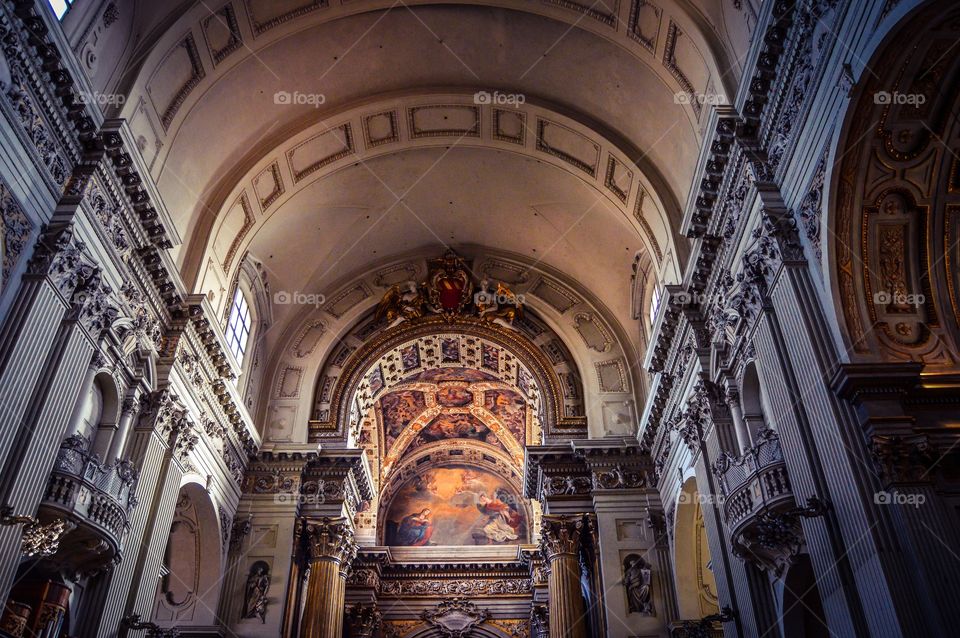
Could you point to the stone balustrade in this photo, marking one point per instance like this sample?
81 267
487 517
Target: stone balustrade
94 496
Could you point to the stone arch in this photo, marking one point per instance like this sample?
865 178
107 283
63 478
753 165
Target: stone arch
696 587
555 421
588 346
189 592
894 211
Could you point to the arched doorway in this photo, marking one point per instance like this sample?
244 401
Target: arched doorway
696 586
189 586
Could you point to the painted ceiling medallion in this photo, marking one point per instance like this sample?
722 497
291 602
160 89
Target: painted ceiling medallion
449 292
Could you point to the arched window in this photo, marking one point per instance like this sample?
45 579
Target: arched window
238 327
655 297
60 7
91 412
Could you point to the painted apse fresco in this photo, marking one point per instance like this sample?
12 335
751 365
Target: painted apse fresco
457 505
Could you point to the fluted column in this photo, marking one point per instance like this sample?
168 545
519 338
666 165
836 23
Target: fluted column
331 549
560 545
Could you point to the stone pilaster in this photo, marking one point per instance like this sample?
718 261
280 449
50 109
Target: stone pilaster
330 548
560 538
162 431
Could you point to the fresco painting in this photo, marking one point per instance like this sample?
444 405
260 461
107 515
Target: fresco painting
398 410
376 380
454 397
451 374
455 426
490 357
510 408
456 505
410 357
450 350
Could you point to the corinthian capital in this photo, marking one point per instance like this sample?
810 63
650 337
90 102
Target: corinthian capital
560 535
330 539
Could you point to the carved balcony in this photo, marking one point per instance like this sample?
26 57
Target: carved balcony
96 498
758 503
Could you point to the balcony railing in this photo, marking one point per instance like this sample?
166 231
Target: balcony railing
96 497
754 482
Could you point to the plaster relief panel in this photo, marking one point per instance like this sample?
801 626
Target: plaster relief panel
173 80
441 120
145 133
396 274
264 536
570 146
288 386
320 150
554 294
644 24
266 14
618 418
237 222
686 64
510 125
594 334
381 128
214 287
604 11
15 233
347 299
268 186
611 376
282 420
639 215
631 530
221 33
308 339
502 271
619 178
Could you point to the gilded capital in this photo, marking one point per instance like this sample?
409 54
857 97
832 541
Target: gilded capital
560 535
330 539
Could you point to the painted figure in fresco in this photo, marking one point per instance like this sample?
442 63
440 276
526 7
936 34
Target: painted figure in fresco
503 519
455 426
416 529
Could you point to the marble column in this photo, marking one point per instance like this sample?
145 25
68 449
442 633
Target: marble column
732 398
560 544
330 550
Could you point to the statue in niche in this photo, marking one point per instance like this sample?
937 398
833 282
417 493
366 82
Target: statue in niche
258 583
636 580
